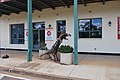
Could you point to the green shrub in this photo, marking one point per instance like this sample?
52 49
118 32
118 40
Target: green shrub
65 49
43 46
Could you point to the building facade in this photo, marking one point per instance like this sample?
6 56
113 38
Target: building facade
98 27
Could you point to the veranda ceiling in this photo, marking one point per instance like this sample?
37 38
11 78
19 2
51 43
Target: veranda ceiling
16 6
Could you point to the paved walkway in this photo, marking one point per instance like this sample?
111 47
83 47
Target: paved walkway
91 67
8 77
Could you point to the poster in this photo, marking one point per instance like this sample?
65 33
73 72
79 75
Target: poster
48 34
4 0
118 27
26 34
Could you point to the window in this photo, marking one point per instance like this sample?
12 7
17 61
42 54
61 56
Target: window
38 25
61 27
90 28
17 33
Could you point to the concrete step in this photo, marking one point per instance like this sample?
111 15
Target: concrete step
37 74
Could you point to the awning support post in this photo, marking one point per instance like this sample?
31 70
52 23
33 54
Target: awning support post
30 35
76 32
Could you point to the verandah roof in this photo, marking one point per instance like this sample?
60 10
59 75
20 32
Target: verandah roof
16 6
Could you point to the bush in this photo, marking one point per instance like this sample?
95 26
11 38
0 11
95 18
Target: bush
43 46
65 49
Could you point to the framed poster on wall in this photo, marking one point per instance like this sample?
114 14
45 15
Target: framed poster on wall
48 34
26 34
118 27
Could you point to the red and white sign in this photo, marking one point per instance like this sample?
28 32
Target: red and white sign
4 0
49 34
118 27
26 34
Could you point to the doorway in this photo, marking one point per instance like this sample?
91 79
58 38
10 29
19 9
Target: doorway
38 35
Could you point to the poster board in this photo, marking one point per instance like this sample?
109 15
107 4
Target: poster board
4 0
26 34
48 34
118 27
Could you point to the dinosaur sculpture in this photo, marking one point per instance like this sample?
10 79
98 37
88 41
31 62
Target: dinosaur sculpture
54 49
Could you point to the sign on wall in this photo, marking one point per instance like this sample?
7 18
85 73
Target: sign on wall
118 27
48 34
26 34
4 0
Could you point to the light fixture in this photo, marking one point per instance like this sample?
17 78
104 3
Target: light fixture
90 11
57 14
109 23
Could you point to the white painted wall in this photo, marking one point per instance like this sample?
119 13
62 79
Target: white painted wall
109 12
109 42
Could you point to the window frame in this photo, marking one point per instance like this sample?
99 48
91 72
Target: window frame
90 31
11 38
57 27
33 23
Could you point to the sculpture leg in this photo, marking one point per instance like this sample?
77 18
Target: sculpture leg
56 57
42 55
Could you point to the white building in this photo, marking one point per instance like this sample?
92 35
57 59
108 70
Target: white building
98 26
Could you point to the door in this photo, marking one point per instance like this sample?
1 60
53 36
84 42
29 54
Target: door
38 35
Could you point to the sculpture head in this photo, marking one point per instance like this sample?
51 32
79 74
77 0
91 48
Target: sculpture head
64 36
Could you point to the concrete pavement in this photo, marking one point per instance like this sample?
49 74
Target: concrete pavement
13 76
91 67
9 77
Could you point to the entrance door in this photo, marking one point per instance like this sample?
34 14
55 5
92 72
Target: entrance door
38 35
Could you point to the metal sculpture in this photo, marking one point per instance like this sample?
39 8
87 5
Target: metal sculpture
54 49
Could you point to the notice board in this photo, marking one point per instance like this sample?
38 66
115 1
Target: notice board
48 34
118 27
